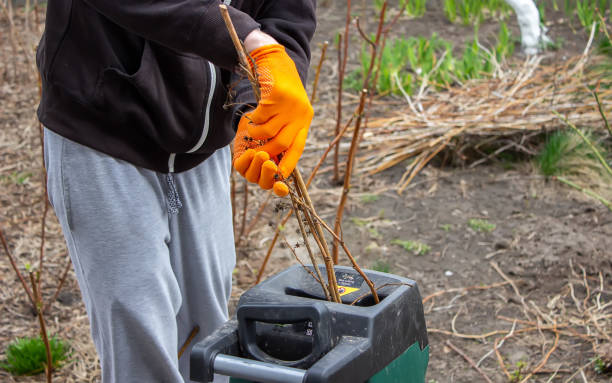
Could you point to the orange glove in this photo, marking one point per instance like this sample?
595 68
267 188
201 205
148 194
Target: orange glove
271 139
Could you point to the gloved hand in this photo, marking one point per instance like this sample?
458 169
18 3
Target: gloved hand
271 139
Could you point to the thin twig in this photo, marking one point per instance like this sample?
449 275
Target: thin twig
313 260
318 235
242 54
45 201
602 112
362 33
544 359
464 289
346 251
588 192
500 360
43 327
514 287
568 380
348 174
16 269
60 284
379 288
233 201
245 206
313 95
254 220
336 174
288 215
192 335
468 359
316 278
342 60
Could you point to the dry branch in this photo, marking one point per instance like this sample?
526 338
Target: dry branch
469 360
348 173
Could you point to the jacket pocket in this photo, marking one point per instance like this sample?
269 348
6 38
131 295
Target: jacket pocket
163 99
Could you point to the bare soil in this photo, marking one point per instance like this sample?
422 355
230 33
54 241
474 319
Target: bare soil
550 245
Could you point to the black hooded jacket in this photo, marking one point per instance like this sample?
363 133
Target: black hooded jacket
149 81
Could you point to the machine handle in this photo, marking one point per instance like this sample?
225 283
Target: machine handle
256 371
316 312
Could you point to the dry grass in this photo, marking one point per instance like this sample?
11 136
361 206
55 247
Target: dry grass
515 102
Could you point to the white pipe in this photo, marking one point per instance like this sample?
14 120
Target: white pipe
533 35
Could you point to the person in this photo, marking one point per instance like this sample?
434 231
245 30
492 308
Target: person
140 101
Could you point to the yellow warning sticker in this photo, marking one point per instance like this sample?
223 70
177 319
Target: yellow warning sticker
344 290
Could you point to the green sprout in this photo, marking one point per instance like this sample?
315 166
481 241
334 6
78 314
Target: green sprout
517 375
18 178
415 247
359 221
481 225
381 266
368 198
28 356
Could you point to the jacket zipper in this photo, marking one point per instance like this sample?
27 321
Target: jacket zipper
205 128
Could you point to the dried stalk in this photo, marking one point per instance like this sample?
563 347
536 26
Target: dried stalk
602 112
288 215
296 173
45 200
315 224
242 54
233 201
516 102
16 269
464 289
190 338
469 360
500 359
12 38
258 215
588 192
313 260
316 278
318 235
343 43
59 285
489 334
43 327
348 173
245 208
336 174
544 360
315 84
346 251
374 46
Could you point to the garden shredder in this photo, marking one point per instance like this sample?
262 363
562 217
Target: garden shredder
286 332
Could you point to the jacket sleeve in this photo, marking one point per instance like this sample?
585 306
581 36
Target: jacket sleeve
292 23
193 26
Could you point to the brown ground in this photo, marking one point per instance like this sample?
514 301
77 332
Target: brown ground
551 242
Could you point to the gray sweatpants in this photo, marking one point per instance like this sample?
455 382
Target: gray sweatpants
147 277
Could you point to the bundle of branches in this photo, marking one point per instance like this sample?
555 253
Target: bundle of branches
302 204
514 101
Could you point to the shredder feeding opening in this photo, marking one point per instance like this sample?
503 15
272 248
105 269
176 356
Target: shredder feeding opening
364 300
287 342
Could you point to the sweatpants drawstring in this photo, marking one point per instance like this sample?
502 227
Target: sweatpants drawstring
174 201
